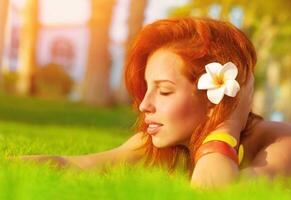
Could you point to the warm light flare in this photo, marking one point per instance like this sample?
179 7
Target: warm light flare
54 12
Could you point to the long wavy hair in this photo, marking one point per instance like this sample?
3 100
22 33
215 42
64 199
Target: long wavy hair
198 41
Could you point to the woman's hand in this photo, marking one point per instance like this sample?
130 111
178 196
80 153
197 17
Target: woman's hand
56 161
238 118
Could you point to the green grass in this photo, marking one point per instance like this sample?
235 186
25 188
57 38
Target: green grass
32 126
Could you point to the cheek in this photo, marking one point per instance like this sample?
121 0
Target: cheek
184 112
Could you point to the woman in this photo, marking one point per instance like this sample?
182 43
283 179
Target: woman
189 79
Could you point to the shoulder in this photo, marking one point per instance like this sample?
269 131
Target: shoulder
277 128
272 132
273 157
265 133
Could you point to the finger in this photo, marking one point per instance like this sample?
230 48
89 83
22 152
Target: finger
250 84
251 77
251 88
250 80
248 88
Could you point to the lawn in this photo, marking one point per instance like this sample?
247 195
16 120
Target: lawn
33 126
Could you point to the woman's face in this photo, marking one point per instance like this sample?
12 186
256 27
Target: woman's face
172 105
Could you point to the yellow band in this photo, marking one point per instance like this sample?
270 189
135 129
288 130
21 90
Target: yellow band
240 153
221 136
227 138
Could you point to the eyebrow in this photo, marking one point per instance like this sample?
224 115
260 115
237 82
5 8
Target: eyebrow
161 81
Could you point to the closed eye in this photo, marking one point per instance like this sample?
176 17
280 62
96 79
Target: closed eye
165 93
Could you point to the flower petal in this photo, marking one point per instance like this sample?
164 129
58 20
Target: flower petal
229 70
213 68
231 88
206 82
215 95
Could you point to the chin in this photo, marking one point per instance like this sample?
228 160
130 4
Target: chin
160 144
157 143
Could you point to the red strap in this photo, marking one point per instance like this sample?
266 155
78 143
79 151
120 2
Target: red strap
217 147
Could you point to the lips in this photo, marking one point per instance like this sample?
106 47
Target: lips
153 127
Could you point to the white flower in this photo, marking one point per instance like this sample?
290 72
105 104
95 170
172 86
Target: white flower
219 80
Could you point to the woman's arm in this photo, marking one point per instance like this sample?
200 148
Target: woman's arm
215 169
96 161
125 153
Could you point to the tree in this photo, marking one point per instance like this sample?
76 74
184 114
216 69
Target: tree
135 22
27 48
96 86
267 24
3 18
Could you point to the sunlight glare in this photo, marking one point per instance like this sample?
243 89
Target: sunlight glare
53 12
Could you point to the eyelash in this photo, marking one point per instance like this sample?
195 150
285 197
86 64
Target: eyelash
165 93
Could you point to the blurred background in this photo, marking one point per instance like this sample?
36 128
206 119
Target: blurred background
74 50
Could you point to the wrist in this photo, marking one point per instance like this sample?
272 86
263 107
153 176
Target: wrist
216 146
231 127
221 142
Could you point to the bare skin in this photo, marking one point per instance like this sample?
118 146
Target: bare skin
270 156
266 147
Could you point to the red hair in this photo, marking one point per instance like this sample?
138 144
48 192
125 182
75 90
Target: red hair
198 41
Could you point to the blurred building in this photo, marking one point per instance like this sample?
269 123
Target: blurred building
65 47
63 43
63 36
11 45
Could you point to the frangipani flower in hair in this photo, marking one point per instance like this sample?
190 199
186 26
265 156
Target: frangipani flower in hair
219 80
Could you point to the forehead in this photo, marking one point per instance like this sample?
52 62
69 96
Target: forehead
164 64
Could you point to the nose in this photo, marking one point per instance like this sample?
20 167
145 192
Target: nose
147 105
